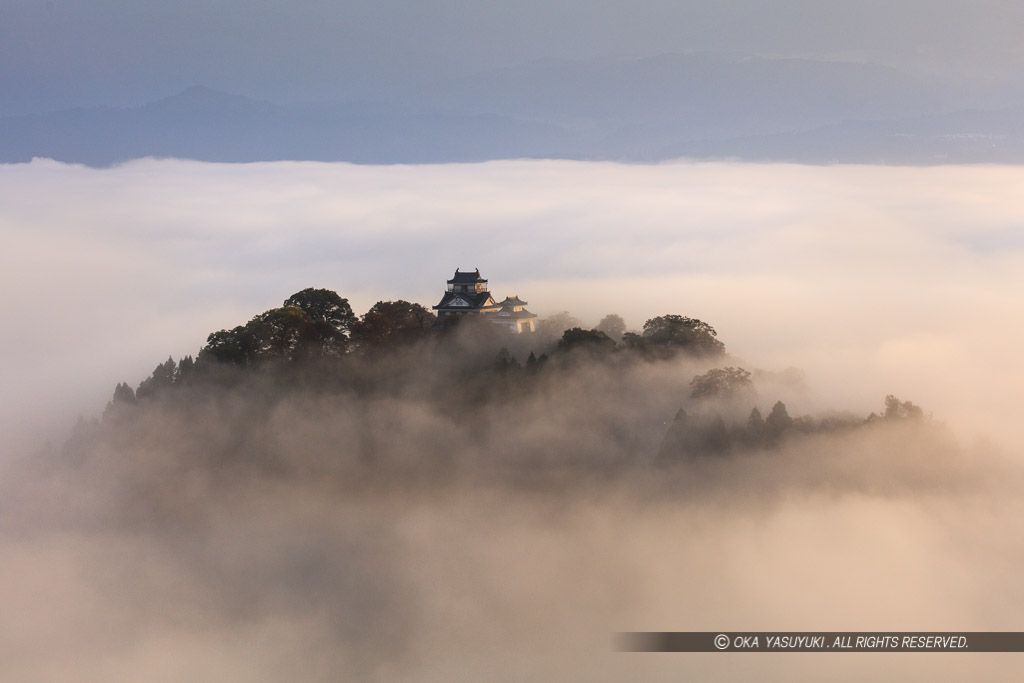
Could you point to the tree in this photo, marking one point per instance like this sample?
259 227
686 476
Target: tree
279 332
324 306
162 378
679 332
329 321
716 437
632 340
901 410
390 323
590 340
531 363
185 367
237 346
612 325
721 383
755 426
535 364
678 441
755 422
505 362
552 326
123 394
690 436
778 420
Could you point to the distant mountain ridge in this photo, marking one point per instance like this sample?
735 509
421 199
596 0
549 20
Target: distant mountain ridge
650 109
755 95
957 137
206 125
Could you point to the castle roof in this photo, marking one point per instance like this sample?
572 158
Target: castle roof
475 300
513 301
515 315
466 278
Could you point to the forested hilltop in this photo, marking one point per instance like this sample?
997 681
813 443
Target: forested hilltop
311 388
316 492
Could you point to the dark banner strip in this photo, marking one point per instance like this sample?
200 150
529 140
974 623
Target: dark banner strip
820 641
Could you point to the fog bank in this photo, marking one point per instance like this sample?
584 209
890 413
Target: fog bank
871 280
141 556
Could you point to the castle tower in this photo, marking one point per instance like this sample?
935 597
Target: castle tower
467 293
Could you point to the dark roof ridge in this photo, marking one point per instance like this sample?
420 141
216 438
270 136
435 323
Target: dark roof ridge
467 277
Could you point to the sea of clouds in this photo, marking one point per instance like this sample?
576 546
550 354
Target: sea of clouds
869 280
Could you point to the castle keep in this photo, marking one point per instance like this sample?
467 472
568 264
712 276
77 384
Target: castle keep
467 294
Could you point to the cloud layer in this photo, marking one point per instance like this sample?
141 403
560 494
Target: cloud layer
870 280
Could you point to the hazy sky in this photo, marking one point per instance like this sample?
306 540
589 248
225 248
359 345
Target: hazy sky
68 52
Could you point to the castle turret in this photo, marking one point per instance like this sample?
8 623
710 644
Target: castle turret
467 293
514 316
